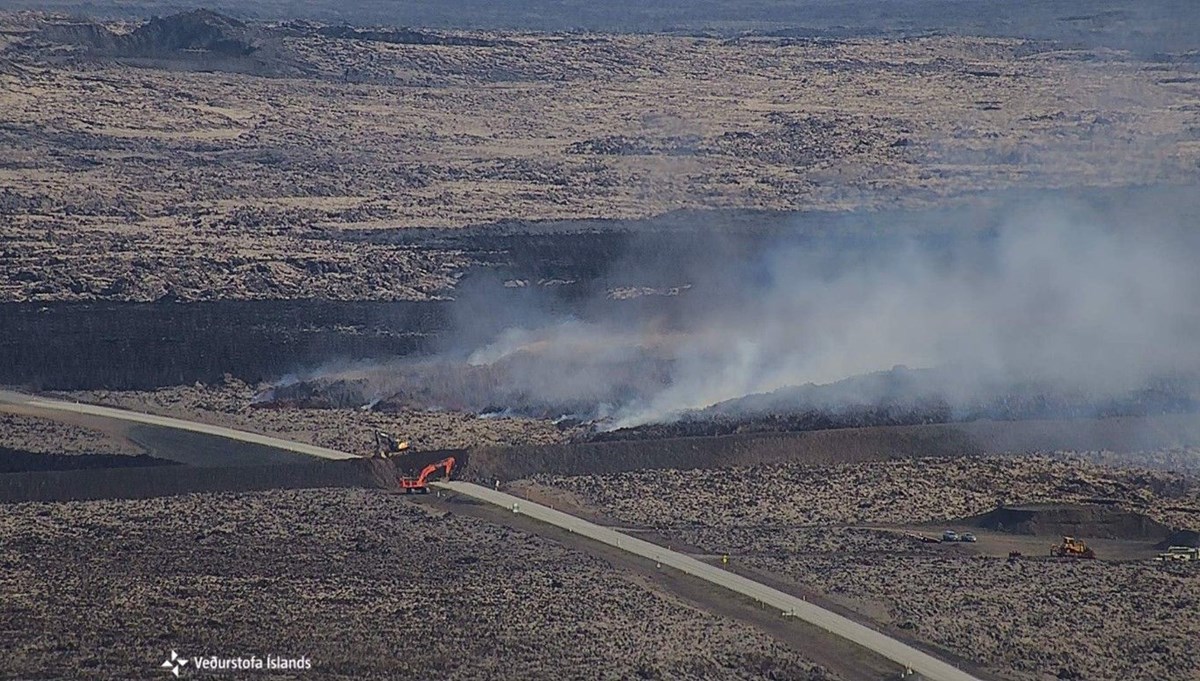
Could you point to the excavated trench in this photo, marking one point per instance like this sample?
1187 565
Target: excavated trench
182 462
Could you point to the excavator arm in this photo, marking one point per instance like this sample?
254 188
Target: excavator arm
420 483
446 463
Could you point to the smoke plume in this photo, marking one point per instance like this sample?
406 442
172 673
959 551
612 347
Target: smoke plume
1068 302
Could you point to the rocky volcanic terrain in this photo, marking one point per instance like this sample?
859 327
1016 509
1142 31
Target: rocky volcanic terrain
363 583
1034 618
202 157
1182 459
909 491
43 436
1028 619
347 429
198 157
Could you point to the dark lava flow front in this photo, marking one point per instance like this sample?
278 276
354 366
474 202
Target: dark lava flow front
138 346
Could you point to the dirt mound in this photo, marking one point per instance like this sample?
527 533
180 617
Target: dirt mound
85 34
1079 520
837 446
1180 538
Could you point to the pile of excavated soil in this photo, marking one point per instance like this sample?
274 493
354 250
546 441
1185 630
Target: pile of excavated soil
1180 538
201 39
146 477
1078 520
366 584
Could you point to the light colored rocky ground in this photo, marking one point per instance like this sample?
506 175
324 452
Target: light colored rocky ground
44 436
138 183
1032 619
905 491
1180 460
348 430
1029 619
366 584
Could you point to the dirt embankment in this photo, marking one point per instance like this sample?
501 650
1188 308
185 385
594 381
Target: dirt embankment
169 480
17 461
820 447
840 446
1106 521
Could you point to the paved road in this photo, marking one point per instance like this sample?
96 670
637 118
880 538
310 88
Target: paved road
38 403
928 666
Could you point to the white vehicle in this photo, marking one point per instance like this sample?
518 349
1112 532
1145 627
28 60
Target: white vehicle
1183 553
967 537
949 535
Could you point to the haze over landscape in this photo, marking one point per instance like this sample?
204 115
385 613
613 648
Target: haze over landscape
727 339
1056 300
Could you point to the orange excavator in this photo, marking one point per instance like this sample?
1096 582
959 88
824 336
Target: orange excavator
419 484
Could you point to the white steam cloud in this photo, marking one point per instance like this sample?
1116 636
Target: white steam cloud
1062 299
1050 299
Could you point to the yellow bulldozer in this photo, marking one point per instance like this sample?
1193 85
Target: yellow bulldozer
386 445
1072 548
